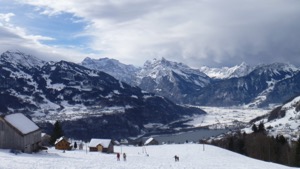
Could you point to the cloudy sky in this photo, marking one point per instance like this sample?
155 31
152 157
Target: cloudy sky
196 32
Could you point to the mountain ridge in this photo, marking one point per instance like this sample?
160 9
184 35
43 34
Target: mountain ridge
227 86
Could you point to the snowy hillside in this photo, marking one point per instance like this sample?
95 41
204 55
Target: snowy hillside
283 120
227 72
191 156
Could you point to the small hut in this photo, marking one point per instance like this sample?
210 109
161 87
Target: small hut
102 145
62 144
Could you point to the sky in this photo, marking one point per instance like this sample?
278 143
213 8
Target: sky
214 33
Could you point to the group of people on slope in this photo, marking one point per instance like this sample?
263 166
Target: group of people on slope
124 156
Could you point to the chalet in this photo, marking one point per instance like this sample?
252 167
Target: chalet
151 141
62 144
19 132
103 145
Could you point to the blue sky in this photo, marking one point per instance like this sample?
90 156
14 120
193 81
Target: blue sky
64 29
197 32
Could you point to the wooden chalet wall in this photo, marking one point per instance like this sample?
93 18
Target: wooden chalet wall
11 138
63 145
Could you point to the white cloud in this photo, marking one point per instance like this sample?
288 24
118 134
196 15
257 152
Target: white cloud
6 17
17 38
197 32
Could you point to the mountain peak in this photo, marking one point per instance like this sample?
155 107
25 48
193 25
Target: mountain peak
21 59
113 67
227 72
276 69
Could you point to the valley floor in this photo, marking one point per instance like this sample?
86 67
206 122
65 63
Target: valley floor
221 117
191 156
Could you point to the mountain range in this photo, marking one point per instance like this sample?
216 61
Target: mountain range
88 103
104 97
241 85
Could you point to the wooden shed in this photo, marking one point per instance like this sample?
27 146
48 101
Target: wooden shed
19 132
62 144
102 145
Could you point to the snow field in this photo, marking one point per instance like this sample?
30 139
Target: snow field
191 156
225 116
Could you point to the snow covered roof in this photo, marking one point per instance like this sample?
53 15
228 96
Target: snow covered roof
61 138
21 123
95 142
148 140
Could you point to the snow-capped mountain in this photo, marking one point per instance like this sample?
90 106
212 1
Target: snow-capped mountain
20 59
283 120
166 78
227 72
171 79
88 102
251 90
123 72
239 85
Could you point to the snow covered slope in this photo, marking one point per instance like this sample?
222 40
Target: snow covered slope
191 156
21 59
283 120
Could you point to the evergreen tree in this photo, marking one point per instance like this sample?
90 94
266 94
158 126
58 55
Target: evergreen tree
75 145
297 156
281 139
261 127
231 144
254 128
56 133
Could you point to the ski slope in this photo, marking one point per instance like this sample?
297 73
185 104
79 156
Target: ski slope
191 156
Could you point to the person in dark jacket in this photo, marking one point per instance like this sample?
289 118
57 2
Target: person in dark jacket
176 158
118 156
124 156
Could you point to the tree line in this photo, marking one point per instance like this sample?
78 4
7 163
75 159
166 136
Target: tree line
260 146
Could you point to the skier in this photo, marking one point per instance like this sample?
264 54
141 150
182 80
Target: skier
118 156
124 156
176 158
